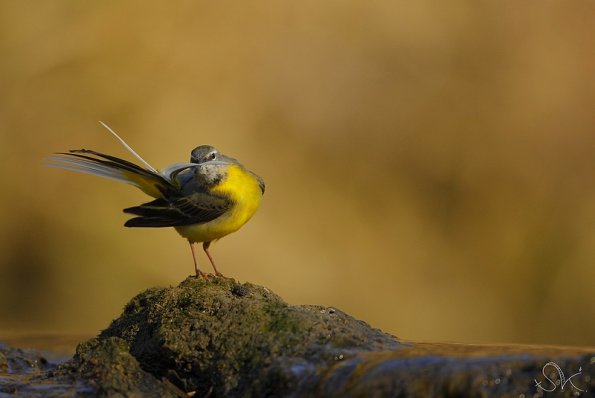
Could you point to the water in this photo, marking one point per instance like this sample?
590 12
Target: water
24 371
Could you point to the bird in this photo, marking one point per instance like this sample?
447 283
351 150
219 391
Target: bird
204 200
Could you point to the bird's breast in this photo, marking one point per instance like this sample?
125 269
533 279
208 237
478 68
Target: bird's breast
244 191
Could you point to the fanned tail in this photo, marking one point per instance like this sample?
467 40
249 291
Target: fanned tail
149 180
91 162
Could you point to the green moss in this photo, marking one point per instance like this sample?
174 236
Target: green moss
219 337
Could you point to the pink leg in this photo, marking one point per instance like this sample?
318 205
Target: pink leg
198 272
205 247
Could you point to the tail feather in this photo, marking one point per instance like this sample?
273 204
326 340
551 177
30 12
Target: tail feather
120 162
132 151
107 166
148 179
87 167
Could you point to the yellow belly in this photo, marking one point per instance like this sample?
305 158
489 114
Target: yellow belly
243 190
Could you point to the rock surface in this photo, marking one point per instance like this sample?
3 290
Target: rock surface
219 338
216 337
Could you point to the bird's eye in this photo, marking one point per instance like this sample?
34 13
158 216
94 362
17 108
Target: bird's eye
212 156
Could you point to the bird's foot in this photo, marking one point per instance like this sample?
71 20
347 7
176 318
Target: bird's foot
201 275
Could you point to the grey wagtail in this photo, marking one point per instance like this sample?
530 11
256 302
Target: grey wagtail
204 200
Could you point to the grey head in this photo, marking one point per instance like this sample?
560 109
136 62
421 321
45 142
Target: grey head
207 153
203 153
209 161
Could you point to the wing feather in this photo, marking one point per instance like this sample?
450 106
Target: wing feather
196 208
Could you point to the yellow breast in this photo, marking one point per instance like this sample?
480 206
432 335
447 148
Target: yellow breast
242 188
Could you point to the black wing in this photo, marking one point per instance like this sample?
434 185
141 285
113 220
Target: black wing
196 208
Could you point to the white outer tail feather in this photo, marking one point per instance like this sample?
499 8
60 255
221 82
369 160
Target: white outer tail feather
76 162
129 148
92 168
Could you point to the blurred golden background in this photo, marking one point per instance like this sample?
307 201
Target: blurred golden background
430 167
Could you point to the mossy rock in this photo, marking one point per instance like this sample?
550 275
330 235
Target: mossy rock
219 338
216 337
